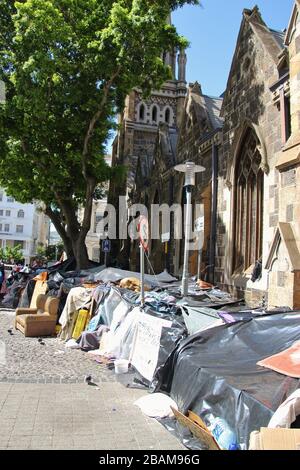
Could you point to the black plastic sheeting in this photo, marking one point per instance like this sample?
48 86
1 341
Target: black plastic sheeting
69 265
214 373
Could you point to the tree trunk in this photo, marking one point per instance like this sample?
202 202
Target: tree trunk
81 253
68 248
55 219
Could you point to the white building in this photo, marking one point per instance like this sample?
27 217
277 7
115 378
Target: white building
22 224
93 237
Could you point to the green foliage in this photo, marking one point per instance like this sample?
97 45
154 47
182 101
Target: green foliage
54 252
41 251
11 254
67 66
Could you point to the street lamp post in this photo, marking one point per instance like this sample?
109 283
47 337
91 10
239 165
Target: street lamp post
190 169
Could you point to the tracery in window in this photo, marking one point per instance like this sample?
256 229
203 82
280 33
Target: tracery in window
249 194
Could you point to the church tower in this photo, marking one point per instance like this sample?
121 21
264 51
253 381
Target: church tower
139 124
141 118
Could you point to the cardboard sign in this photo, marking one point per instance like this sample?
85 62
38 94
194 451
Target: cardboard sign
147 344
198 428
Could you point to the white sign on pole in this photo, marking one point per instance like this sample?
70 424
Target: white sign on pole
199 224
165 237
147 344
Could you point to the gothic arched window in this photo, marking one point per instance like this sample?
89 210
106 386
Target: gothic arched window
142 112
248 210
168 116
154 114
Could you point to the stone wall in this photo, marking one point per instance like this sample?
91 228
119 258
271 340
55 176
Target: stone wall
248 102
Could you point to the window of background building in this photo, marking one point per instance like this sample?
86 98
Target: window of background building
1 196
21 214
10 199
1 227
285 112
1 212
154 114
142 112
19 229
7 213
6 228
167 116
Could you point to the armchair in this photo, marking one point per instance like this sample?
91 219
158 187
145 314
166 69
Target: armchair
40 321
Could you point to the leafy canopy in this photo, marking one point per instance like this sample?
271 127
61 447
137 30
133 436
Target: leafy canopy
67 66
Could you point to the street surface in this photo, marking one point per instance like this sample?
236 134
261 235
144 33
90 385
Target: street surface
45 402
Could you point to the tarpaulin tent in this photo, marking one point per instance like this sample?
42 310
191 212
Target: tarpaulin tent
215 373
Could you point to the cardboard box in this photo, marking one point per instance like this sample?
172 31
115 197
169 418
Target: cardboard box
198 428
275 439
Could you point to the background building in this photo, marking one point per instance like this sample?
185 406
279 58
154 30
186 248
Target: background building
93 237
22 224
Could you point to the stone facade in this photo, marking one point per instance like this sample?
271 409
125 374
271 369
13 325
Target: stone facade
249 143
135 144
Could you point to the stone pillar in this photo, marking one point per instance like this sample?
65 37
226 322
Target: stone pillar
182 61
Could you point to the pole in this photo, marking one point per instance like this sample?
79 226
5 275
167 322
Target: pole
213 229
166 256
199 257
188 223
142 275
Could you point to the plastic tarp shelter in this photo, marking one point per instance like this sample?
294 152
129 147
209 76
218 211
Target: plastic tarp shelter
115 275
214 373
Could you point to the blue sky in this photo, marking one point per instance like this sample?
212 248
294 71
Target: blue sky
213 30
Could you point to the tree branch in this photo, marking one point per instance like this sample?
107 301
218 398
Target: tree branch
95 119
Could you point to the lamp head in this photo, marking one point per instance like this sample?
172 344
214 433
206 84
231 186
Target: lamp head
190 169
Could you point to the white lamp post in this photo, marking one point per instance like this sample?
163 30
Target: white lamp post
190 169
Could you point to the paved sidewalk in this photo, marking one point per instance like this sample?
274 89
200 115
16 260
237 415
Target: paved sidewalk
27 360
38 413
77 416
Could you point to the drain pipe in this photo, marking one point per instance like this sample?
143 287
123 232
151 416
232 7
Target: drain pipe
213 223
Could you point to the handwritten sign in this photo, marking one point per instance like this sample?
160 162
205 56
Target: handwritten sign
147 344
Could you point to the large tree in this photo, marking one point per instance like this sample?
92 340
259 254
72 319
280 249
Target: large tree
67 66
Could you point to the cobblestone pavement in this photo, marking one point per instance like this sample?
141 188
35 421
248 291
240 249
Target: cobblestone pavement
29 361
45 404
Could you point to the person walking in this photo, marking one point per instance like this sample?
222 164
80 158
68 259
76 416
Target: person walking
2 280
